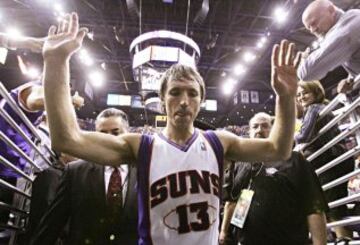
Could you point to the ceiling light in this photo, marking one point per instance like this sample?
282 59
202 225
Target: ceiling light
88 61
239 69
14 33
85 57
96 78
280 14
58 7
231 81
33 72
249 57
228 88
259 44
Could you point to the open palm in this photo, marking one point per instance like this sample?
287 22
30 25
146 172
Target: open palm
64 40
283 69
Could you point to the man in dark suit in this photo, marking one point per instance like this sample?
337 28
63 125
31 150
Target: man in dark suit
99 202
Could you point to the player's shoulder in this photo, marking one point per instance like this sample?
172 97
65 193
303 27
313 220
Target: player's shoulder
132 137
222 134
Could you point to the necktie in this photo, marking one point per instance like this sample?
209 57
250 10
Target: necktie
114 194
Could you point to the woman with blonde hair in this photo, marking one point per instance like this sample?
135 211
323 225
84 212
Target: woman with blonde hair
311 99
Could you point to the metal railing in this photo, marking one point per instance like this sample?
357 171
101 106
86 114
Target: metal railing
348 110
19 207
5 95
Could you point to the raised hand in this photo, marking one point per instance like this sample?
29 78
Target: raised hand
77 100
64 40
283 69
345 85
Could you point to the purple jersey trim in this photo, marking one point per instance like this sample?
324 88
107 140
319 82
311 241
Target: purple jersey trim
145 152
219 153
187 145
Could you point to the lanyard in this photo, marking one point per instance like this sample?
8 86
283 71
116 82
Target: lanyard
252 176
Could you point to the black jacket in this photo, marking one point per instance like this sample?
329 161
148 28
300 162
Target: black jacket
81 201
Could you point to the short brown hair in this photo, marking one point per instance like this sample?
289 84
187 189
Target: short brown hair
316 89
181 72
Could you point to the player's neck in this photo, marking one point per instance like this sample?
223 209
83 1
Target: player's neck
178 135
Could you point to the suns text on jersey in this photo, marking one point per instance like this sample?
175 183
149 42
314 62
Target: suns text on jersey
179 184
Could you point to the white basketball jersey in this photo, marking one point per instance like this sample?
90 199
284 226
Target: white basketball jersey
179 190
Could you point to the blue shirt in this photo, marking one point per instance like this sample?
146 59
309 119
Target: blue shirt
340 46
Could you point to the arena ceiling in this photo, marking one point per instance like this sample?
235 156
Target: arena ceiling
224 34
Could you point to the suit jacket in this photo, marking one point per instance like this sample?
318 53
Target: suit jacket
43 193
81 201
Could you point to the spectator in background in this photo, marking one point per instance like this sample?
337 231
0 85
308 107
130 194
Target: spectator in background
43 193
311 97
29 97
288 201
340 45
85 198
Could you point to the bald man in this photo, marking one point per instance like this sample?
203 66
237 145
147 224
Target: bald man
340 44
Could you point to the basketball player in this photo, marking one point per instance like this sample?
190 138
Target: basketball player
179 169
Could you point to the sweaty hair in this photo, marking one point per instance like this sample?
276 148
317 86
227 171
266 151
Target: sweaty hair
113 112
181 72
316 89
261 115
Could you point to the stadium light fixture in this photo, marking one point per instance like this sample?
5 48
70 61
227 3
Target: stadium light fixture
96 78
249 57
280 15
33 73
14 33
239 69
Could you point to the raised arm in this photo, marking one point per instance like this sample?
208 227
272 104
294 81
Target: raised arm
33 98
31 43
326 58
66 135
279 144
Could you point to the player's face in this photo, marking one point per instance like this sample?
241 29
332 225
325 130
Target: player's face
260 128
304 97
110 125
182 102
